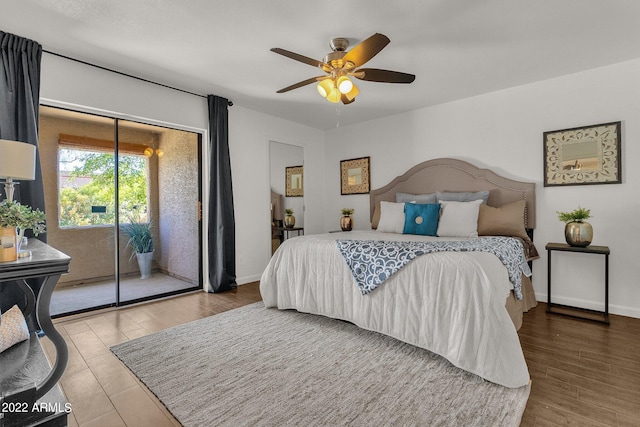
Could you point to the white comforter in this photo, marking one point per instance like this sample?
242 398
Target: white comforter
450 303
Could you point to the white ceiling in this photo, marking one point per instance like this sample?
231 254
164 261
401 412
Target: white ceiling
456 48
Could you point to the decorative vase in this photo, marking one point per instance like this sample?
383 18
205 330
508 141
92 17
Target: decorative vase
289 221
8 247
346 223
144 264
19 242
578 233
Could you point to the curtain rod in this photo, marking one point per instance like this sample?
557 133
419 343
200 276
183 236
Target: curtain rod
127 75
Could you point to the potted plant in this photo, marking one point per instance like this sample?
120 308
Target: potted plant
141 242
577 232
15 219
289 219
346 221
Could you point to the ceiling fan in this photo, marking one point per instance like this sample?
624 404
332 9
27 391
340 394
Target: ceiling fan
339 65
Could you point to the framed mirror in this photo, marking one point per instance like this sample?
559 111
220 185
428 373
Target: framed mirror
294 181
354 176
583 155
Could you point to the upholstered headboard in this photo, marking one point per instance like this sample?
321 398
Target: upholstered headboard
458 175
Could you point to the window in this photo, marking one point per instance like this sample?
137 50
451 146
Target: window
86 178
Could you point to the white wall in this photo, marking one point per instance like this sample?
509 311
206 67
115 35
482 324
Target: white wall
249 136
64 81
84 88
503 131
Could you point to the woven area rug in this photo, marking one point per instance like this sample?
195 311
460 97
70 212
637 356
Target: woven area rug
254 366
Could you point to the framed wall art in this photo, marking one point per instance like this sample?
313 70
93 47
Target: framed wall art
294 186
583 155
354 176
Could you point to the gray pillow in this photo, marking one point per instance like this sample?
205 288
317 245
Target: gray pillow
421 199
463 196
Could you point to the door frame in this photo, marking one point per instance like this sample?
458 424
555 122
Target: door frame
201 149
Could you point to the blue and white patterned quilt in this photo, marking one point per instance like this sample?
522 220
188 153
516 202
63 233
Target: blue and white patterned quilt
373 261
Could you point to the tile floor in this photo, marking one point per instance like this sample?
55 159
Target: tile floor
99 387
81 297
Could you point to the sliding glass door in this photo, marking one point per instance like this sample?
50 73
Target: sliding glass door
159 195
122 200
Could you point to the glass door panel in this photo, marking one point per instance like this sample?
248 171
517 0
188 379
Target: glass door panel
77 157
158 194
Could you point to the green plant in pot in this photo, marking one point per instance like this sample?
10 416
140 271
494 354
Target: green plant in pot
577 232
15 219
289 219
346 221
141 242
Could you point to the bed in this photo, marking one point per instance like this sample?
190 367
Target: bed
461 304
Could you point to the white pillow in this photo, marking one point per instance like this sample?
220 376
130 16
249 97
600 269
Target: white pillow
459 219
391 217
421 199
13 328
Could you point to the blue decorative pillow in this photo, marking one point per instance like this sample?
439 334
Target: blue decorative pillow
421 218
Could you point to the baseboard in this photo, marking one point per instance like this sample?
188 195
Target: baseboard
248 279
620 310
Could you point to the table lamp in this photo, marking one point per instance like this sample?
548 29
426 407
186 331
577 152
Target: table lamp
17 161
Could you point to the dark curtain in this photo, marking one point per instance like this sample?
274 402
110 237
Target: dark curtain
20 94
19 102
222 229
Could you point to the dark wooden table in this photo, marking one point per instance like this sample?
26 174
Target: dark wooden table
29 393
287 231
579 312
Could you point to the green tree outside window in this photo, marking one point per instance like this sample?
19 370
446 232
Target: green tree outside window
88 179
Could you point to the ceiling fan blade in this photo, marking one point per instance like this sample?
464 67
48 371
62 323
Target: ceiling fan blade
300 58
367 49
302 83
384 76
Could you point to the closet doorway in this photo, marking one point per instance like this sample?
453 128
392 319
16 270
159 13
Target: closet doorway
286 168
104 179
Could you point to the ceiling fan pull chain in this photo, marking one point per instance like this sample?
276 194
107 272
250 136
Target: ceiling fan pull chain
337 115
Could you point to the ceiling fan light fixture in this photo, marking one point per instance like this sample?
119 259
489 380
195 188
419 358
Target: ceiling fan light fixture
340 65
334 96
351 95
345 85
325 87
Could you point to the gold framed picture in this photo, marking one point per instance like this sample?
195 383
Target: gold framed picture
294 185
583 155
355 175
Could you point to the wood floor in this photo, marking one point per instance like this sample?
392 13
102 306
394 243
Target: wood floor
584 373
99 387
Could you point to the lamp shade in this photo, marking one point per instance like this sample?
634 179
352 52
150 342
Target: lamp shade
325 87
334 95
17 160
344 84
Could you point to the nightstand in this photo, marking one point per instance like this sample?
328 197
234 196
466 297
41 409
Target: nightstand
579 312
288 230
